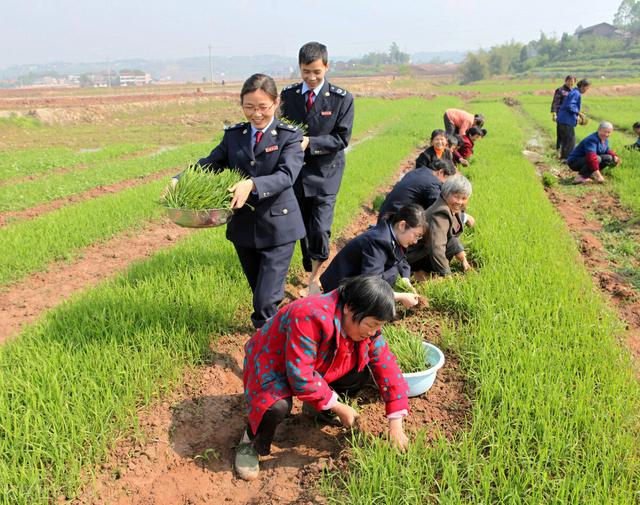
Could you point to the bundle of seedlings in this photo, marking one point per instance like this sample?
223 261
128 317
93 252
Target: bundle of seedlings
407 347
198 189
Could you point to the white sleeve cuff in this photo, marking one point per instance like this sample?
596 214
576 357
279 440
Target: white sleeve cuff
332 401
398 415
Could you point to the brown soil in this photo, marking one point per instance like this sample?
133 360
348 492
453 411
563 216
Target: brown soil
33 212
188 450
624 297
187 455
25 301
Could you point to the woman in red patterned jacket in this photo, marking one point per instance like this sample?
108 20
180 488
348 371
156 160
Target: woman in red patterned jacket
314 349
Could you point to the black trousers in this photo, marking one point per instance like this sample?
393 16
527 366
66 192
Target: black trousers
418 258
347 385
557 136
449 127
317 214
567 138
266 271
580 165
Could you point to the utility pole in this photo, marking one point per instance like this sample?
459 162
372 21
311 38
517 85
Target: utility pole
211 66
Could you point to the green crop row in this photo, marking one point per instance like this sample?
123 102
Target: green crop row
70 385
22 162
26 194
555 402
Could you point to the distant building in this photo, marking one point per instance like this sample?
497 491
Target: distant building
134 78
601 30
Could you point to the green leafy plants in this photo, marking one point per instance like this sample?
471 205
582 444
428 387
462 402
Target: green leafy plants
549 180
198 189
407 348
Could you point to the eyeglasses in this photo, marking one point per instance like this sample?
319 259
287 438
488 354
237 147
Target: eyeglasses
250 109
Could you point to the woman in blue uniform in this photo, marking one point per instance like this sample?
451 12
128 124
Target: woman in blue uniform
380 251
269 153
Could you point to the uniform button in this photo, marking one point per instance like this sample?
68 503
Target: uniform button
252 163
285 211
304 163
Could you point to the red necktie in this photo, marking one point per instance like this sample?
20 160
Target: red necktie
258 137
310 100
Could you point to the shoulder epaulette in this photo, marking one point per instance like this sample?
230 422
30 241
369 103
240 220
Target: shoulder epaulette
287 126
291 86
235 126
338 91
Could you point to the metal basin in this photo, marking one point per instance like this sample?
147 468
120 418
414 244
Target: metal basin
199 218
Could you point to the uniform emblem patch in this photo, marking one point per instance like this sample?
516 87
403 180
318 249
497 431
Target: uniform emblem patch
325 113
270 149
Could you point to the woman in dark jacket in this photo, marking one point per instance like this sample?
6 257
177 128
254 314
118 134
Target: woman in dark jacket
438 150
269 153
380 251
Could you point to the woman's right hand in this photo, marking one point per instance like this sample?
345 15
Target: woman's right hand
305 143
347 414
464 162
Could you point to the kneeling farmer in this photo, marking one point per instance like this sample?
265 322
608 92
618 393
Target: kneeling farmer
316 349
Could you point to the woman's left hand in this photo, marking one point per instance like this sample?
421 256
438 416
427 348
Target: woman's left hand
397 435
241 192
470 221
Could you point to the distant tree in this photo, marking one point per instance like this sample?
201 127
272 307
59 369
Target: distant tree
628 16
396 56
474 67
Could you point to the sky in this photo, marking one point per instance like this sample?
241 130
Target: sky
75 31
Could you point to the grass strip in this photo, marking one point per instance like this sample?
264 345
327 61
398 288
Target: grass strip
555 401
19 163
29 193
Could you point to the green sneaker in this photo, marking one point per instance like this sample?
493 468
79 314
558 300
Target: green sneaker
247 461
321 416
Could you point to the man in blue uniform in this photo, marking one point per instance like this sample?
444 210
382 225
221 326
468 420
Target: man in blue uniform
327 113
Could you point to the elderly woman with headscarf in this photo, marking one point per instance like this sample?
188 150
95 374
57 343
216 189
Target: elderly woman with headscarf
593 154
446 220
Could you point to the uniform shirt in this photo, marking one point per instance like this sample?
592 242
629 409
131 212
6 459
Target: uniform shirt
254 130
374 252
273 166
329 124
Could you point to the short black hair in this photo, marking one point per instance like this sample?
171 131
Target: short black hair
484 132
452 139
478 120
583 83
474 130
438 133
368 296
448 169
412 214
311 52
636 125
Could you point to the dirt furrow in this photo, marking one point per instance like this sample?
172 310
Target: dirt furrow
25 301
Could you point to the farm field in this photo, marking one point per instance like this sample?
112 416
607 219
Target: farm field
548 399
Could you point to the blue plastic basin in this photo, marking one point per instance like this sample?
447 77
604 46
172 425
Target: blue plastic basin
420 382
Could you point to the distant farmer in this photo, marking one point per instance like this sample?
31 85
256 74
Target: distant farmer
465 150
459 121
636 130
568 118
445 222
558 97
593 154
437 150
318 349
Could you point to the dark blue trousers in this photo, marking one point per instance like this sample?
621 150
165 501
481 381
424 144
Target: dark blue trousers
266 271
317 214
